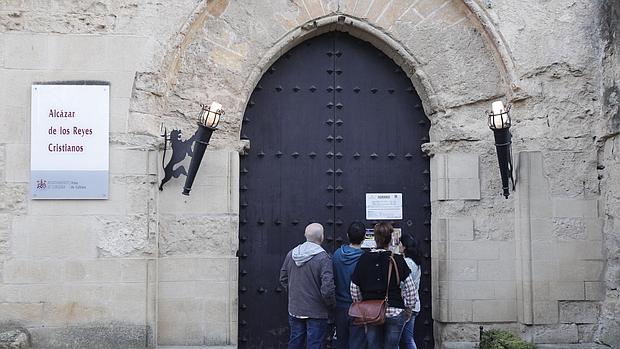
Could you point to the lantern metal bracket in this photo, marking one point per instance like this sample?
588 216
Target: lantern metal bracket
500 124
180 150
195 146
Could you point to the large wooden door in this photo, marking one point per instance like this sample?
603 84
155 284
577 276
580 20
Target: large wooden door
331 120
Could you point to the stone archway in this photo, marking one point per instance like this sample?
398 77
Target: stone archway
221 53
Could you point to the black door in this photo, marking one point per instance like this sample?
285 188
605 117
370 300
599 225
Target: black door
331 120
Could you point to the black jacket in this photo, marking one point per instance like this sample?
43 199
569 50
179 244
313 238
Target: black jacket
371 276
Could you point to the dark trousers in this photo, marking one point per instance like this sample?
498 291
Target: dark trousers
311 331
348 336
406 339
386 336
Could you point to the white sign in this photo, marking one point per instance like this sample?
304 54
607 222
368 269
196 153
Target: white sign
69 141
387 206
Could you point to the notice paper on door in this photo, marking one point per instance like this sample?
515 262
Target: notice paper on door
384 206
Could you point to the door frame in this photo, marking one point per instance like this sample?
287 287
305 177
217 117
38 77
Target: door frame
360 30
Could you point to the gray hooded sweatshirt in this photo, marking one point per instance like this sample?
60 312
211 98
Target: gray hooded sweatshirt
308 277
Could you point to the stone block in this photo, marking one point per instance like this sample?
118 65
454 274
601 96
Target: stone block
134 270
499 270
505 289
460 229
575 208
439 250
16 90
67 313
193 269
539 203
479 250
75 52
575 250
22 313
119 114
457 189
124 52
395 10
463 269
31 293
28 51
125 161
594 229
98 270
182 311
544 270
541 229
581 270
52 236
579 312
494 310
544 251
426 8
545 312
586 333
212 198
566 290
89 294
105 335
459 345
15 127
455 176
564 333
440 309
216 333
17 339
595 290
469 290
540 290
24 271
460 311
569 229
17 165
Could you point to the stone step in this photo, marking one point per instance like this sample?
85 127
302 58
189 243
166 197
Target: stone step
200 347
474 345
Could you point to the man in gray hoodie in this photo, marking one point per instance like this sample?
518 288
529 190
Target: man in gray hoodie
308 277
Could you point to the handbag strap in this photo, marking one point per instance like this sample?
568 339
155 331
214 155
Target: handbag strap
391 262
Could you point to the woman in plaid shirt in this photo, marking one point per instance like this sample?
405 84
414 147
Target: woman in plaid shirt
369 281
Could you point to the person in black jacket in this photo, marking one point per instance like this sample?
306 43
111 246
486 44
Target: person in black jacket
369 281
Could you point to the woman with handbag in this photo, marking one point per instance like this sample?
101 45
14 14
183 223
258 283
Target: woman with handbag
383 292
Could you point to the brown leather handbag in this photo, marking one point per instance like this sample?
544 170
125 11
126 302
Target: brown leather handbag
372 312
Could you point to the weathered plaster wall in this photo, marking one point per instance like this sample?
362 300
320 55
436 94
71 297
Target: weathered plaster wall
156 264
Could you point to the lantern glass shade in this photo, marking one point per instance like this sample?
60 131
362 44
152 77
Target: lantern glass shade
499 118
210 115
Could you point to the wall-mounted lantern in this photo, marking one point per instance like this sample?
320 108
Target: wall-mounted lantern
208 119
499 122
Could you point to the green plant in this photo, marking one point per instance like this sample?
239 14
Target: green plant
500 339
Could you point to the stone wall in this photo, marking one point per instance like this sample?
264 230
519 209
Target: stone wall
153 266
608 329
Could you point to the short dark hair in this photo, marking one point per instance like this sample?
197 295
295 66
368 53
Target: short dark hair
411 248
383 234
356 232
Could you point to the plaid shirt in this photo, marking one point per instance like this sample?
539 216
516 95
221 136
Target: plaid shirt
407 291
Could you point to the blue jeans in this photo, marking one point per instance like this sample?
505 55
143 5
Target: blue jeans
311 330
386 336
406 339
348 336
